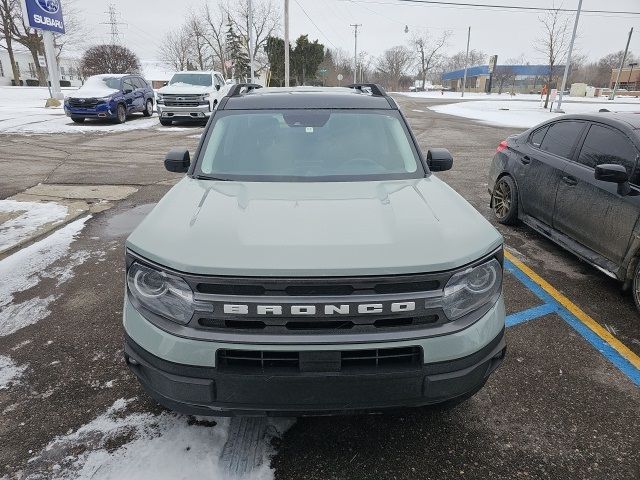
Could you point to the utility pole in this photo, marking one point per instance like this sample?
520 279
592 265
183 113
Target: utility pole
624 58
286 43
568 64
466 63
355 52
250 32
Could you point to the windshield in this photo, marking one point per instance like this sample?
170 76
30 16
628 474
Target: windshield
202 79
308 145
101 83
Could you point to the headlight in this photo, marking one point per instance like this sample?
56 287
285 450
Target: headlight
471 289
159 97
160 292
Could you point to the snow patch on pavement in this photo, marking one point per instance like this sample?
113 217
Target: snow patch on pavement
523 114
25 268
31 216
139 446
10 373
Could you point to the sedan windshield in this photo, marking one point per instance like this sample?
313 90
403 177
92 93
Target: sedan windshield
201 79
309 145
99 82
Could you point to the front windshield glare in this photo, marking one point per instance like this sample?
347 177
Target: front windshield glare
201 79
309 145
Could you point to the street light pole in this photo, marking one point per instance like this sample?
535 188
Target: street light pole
286 43
466 63
355 52
251 42
568 64
624 57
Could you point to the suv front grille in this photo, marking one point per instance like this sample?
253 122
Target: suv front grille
84 102
377 359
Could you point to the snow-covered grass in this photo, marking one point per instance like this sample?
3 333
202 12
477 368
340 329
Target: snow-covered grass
30 217
139 446
22 110
524 114
25 268
10 373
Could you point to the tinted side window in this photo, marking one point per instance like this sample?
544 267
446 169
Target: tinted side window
140 83
536 137
561 137
605 145
127 84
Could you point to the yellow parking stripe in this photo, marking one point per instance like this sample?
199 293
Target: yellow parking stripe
594 326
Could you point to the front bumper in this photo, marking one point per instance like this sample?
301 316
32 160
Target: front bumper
99 111
194 112
185 375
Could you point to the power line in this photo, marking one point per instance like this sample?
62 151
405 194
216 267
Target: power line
513 7
314 24
113 23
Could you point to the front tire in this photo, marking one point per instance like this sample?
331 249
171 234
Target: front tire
148 109
505 201
121 114
78 119
165 121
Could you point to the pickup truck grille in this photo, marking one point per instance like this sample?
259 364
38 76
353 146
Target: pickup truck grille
171 100
84 102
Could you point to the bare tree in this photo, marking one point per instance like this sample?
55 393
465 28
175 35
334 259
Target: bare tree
427 50
175 49
9 12
553 43
215 24
393 64
109 59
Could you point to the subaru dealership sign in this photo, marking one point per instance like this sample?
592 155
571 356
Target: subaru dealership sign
45 15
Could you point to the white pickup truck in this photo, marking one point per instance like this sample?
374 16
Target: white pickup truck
190 95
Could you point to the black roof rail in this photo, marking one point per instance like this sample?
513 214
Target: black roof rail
376 90
237 88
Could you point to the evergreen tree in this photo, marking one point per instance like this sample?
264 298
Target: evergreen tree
237 53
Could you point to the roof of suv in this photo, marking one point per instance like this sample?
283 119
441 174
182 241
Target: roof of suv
277 98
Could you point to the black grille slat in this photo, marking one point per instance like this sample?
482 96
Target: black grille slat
264 361
85 102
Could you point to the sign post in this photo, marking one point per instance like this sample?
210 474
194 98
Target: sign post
493 61
46 16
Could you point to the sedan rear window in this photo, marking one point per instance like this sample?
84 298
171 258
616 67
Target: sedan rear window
309 145
561 137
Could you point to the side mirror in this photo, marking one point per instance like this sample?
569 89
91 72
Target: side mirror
177 160
218 87
229 82
439 159
127 90
608 172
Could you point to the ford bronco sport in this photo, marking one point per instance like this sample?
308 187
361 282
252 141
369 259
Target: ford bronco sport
310 262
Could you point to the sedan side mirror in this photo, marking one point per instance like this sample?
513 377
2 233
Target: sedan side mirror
439 159
608 172
177 160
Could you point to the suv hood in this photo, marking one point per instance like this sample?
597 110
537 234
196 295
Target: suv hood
179 88
93 93
313 229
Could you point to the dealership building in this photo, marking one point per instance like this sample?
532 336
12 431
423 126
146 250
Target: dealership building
523 78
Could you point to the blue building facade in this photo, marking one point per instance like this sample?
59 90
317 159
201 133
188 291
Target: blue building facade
521 78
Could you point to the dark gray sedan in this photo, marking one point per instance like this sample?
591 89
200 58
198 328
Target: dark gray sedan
576 180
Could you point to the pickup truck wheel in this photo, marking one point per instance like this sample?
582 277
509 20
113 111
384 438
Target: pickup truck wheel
505 201
148 109
121 114
165 121
78 119
636 286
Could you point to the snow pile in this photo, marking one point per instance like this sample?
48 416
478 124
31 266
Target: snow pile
523 114
22 111
34 215
25 268
138 446
10 373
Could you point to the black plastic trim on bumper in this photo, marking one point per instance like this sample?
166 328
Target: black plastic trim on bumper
209 391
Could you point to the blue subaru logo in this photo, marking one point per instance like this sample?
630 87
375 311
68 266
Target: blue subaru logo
49 6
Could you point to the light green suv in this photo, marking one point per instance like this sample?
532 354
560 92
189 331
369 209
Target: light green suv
310 262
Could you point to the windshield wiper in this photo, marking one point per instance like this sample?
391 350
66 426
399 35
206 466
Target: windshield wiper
208 177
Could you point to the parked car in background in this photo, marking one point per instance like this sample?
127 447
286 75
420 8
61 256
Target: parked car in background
110 96
576 180
190 95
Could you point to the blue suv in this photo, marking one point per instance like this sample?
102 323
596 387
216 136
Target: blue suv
110 96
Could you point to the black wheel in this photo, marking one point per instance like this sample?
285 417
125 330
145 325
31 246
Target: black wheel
165 121
148 109
121 113
505 201
636 286
78 119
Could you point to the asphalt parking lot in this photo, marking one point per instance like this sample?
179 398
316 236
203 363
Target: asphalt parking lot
565 403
